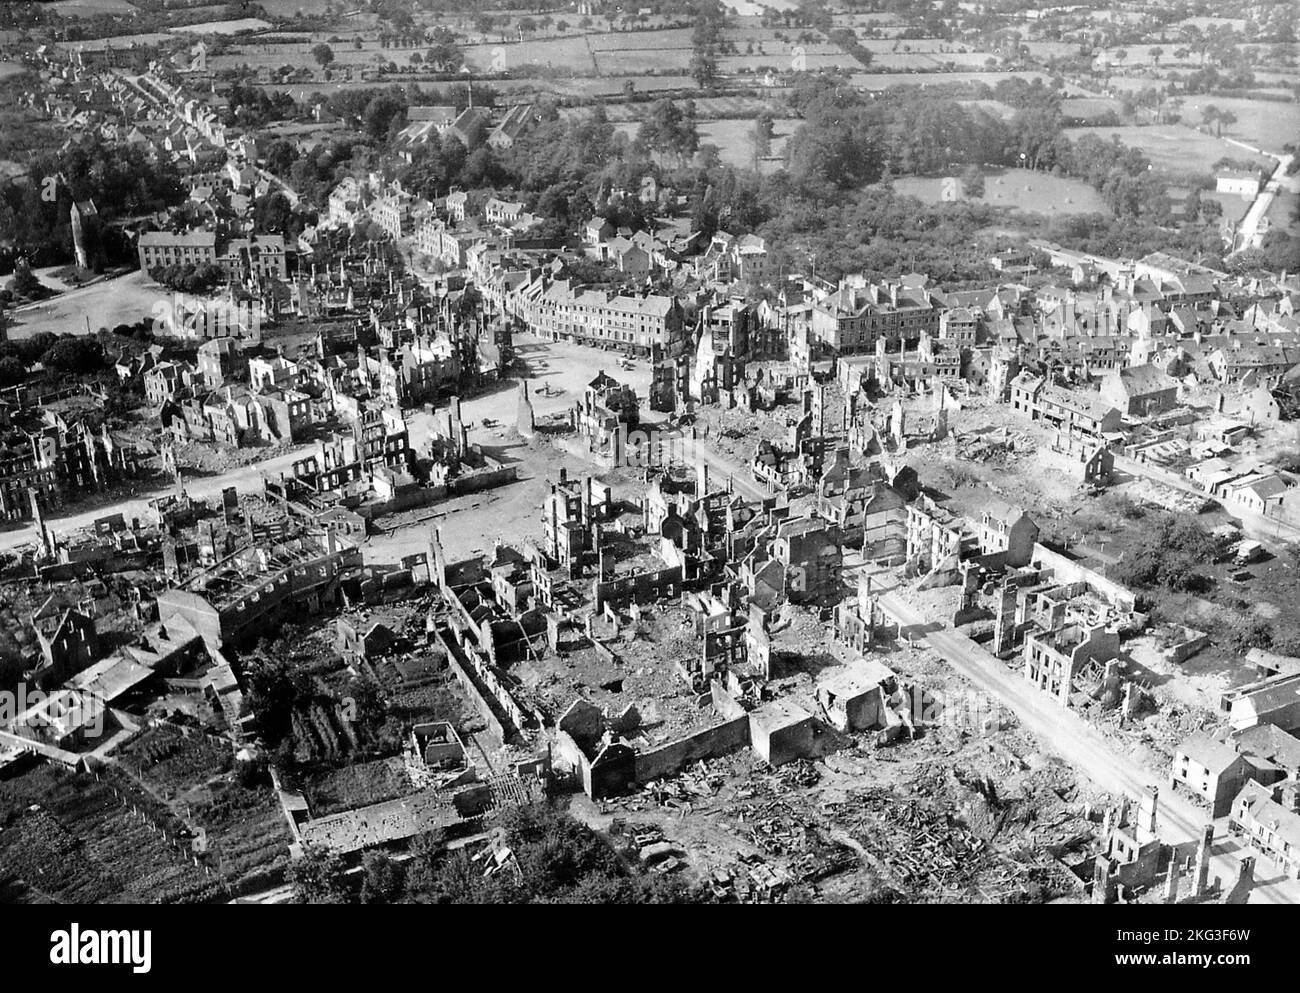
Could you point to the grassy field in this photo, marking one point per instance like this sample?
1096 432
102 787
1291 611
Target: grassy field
10 69
108 303
1283 79
1175 148
556 53
588 87
1234 207
224 27
119 42
884 80
1088 108
287 8
1266 124
1281 213
1033 192
706 109
732 138
89 8
995 107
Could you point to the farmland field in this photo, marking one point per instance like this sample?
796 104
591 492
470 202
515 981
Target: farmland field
71 837
243 826
731 136
1175 148
287 8
223 27
578 87
556 53
1022 189
706 109
1266 124
884 80
89 8
119 42
1281 213
1087 108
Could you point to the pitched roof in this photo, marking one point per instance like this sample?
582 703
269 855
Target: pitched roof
1139 380
1207 751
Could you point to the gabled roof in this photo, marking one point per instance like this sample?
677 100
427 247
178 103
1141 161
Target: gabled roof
1139 380
1209 752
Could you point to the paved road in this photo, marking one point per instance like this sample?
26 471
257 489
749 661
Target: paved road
1248 233
1065 733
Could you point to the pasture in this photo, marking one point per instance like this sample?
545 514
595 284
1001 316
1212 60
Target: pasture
1174 148
1088 108
223 27
1265 124
1021 189
89 8
884 80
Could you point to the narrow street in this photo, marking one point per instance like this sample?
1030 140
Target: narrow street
1248 232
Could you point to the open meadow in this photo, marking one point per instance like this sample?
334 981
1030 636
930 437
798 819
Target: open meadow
1021 189
1174 148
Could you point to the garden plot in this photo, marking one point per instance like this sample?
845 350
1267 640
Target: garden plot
71 836
241 824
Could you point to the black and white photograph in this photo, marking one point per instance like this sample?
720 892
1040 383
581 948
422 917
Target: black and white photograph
671 452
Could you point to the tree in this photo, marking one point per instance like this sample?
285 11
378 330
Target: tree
75 355
668 131
323 54
1167 555
379 114
382 882
12 371
317 877
704 68
444 54
1209 114
972 182
1223 117
762 136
